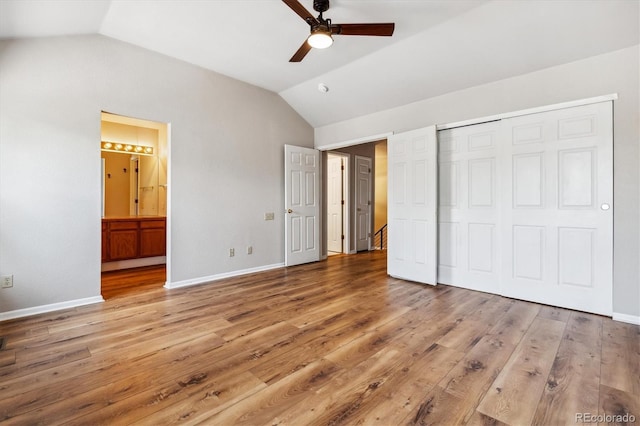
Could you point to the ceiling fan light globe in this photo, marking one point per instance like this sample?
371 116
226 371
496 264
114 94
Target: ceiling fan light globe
320 40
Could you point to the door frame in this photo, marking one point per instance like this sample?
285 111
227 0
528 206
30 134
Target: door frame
142 122
348 202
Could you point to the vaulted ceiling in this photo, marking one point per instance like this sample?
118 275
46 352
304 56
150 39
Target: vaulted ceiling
439 46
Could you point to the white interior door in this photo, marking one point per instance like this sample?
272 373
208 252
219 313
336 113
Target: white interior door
302 205
557 209
469 207
412 206
335 203
363 203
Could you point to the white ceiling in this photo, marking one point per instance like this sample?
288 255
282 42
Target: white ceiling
439 46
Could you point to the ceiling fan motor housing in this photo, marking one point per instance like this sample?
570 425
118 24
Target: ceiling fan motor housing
321 5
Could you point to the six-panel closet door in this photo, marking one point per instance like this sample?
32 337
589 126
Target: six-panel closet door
557 232
469 207
525 207
412 207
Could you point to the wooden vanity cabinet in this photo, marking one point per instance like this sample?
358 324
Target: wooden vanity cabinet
152 236
133 238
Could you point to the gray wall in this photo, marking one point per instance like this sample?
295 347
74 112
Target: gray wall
226 154
615 72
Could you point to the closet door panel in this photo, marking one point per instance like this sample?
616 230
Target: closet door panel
469 206
559 174
524 207
412 206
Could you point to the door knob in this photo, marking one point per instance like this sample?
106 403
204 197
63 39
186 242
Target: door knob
289 211
605 206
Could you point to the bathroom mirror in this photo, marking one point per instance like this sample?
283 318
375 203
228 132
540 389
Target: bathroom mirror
133 167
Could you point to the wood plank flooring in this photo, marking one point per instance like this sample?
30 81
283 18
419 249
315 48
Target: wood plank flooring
330 343
130 281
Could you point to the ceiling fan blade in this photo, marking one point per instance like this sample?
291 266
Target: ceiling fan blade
301 53
385 29
301 11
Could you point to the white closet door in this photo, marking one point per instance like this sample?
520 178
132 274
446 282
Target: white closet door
469 212
557 208
412 207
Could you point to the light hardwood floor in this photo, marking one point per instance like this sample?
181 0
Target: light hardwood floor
330 343
132 281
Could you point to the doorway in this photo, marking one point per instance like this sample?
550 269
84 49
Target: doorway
364 211
134 155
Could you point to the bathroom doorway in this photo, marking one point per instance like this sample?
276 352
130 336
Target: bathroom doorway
134 155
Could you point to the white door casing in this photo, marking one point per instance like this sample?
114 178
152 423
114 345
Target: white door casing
412 206
102 188
363 203
302 205
557 209
469 206
335 203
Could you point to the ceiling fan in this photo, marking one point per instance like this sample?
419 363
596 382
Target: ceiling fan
322 29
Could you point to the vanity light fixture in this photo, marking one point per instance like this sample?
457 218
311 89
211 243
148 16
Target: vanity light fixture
125 148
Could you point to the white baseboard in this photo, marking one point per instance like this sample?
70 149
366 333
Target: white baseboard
26 312
202 280
631 319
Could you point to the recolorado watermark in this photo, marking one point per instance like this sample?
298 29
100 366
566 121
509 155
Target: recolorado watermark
605 418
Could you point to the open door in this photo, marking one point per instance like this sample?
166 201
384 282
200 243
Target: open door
335 203
412 206
302 205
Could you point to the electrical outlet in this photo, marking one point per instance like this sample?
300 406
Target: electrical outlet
249 250
6 281
232 252
269 216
